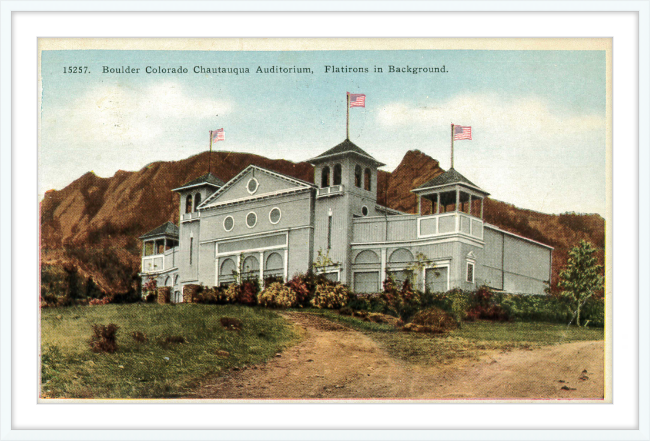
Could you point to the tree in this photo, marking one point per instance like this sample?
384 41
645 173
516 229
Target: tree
581 278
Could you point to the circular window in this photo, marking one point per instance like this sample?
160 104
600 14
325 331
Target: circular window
228 223
252 185
275 215
364 210
251 219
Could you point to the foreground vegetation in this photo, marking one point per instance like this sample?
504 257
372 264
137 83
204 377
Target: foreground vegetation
471 341
160 365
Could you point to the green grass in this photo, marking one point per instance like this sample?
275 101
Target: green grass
154 368
472 341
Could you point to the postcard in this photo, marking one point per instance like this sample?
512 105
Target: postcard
324 219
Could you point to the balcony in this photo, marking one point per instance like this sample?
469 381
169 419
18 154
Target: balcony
450 223
406 228
190 216
326 192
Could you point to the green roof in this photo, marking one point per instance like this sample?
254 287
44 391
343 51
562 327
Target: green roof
346 147
449 177
207 178
166 229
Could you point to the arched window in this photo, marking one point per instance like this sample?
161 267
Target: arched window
337 174
367 184
197 200
357 176
325 177
367 256
188 204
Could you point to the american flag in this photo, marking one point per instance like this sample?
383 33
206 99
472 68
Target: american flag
357 100
462 132
218 135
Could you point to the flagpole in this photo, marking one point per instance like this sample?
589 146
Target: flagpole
347 119
452 145
210 155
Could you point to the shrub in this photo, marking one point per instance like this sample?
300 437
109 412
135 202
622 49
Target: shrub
164 295
459 305
231 293
151 297
331 296
138 336
279 296
231 323
175 339
150 286
268 281
95 302
435 320
212 296
104 338
190 292
403 302
301 286
485 307
248 292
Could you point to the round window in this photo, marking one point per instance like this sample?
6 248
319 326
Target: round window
275 215
364 210
252 185
251 219
228 223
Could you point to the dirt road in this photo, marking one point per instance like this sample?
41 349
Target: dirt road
335 362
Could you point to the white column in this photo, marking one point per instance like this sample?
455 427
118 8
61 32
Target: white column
216 271
419 205
286 265
261 269
438 204
238 268
382 276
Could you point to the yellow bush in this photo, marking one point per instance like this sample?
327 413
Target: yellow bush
331 296
278 295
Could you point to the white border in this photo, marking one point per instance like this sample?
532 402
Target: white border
224 223
246 219
257 186
275 208
622 414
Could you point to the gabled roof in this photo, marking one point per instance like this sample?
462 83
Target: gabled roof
298 182
206 179
166 229
449 177
345 148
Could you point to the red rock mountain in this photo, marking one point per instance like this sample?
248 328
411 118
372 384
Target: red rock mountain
94 223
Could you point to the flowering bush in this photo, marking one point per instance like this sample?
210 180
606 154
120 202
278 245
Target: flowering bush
278 295
300 285
404 301
104 301
331 296
248 292
150 286
212 296
231 293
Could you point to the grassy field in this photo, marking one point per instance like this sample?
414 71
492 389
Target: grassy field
152 368
472 341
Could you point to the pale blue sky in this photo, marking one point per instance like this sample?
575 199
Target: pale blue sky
538 117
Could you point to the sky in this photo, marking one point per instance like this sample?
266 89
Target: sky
538 117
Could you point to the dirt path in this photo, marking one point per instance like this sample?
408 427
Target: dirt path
335 362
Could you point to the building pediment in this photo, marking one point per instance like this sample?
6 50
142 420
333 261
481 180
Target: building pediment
255 183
